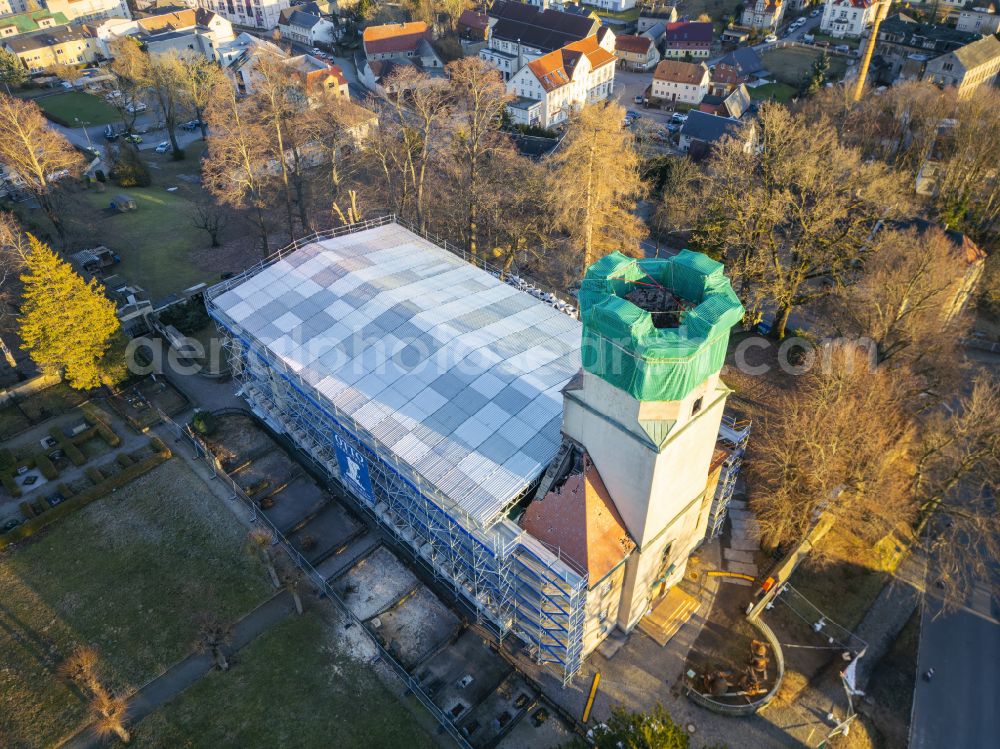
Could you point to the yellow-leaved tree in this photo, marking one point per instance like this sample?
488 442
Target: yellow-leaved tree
66 323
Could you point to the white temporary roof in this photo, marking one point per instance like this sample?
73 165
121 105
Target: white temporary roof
454 372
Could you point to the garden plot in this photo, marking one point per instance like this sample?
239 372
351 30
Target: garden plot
445 676
416 627
266 474
494 716
542 728
375 583
237 439
325 533
293 504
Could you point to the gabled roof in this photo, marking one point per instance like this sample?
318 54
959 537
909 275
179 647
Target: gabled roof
395 37
638 45
680 72
745 59
536 27
48 38
474 20
928 37
978 53
298 19
861 4
581 520
556 69
172 21
708 127
689 31
726 75
27 22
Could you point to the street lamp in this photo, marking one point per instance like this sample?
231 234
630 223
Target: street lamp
85 130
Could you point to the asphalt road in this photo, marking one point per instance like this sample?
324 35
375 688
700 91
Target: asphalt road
960 707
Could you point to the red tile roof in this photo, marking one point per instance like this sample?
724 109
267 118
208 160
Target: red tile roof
395 37
581 519
555 69
680 72
636 45
473 20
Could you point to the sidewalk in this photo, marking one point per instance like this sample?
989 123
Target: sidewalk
185 673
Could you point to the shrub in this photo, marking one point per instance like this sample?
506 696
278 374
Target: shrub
66 490
74 454
6 460
189 317
94 474
128 169
26 510
203 422
43 464
38 506
157 444
123 460
9 485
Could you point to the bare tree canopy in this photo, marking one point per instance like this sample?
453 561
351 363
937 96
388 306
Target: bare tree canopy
37 154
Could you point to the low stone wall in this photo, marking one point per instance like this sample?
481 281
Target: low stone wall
29 387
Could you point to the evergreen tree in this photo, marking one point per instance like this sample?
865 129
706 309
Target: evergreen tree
66 323
12 72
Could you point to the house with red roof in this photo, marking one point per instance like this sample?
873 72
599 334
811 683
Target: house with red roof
548 89
636 52
401 42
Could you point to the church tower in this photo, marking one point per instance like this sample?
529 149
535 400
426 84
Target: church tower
649 403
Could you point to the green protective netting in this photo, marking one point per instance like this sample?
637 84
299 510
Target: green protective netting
620 343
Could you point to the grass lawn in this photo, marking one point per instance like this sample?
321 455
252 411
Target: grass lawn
290 687
717 10
791 64
128 575
71 105
778 91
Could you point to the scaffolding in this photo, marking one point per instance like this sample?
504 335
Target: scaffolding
734 433
513 582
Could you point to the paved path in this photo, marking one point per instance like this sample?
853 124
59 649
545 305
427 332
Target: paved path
182 675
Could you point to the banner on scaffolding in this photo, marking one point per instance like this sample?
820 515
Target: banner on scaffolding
353 469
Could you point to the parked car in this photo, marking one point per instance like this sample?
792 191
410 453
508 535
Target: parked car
770 38
11 524
133 138
637 99
673 127
134 108
844 48
808 38
191 125
163 147
110 133
815 12
679 118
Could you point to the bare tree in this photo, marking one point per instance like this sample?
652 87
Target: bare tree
480 100
259 544
200 82
13 248
109 714
791 216
291 580
235 171
839 443
164 75
211 218
128 63
213 636
38 155
595 182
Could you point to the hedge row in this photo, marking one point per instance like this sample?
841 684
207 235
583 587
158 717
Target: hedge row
9 485
84 498
43 464
68 445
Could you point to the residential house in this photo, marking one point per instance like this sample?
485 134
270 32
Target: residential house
650 15
905 46
8 7
25 23
636 52
562 81
519 33
401 42
978 21
615 6
725 78
257 14
686 40
763 14
967 68
847 18
89 10
702 130
71 45
472 25
318 77
683 82
733 104
201 31
239 56
734 35
747 62
656 32
305 27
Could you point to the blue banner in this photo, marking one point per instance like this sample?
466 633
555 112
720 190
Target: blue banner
353 469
